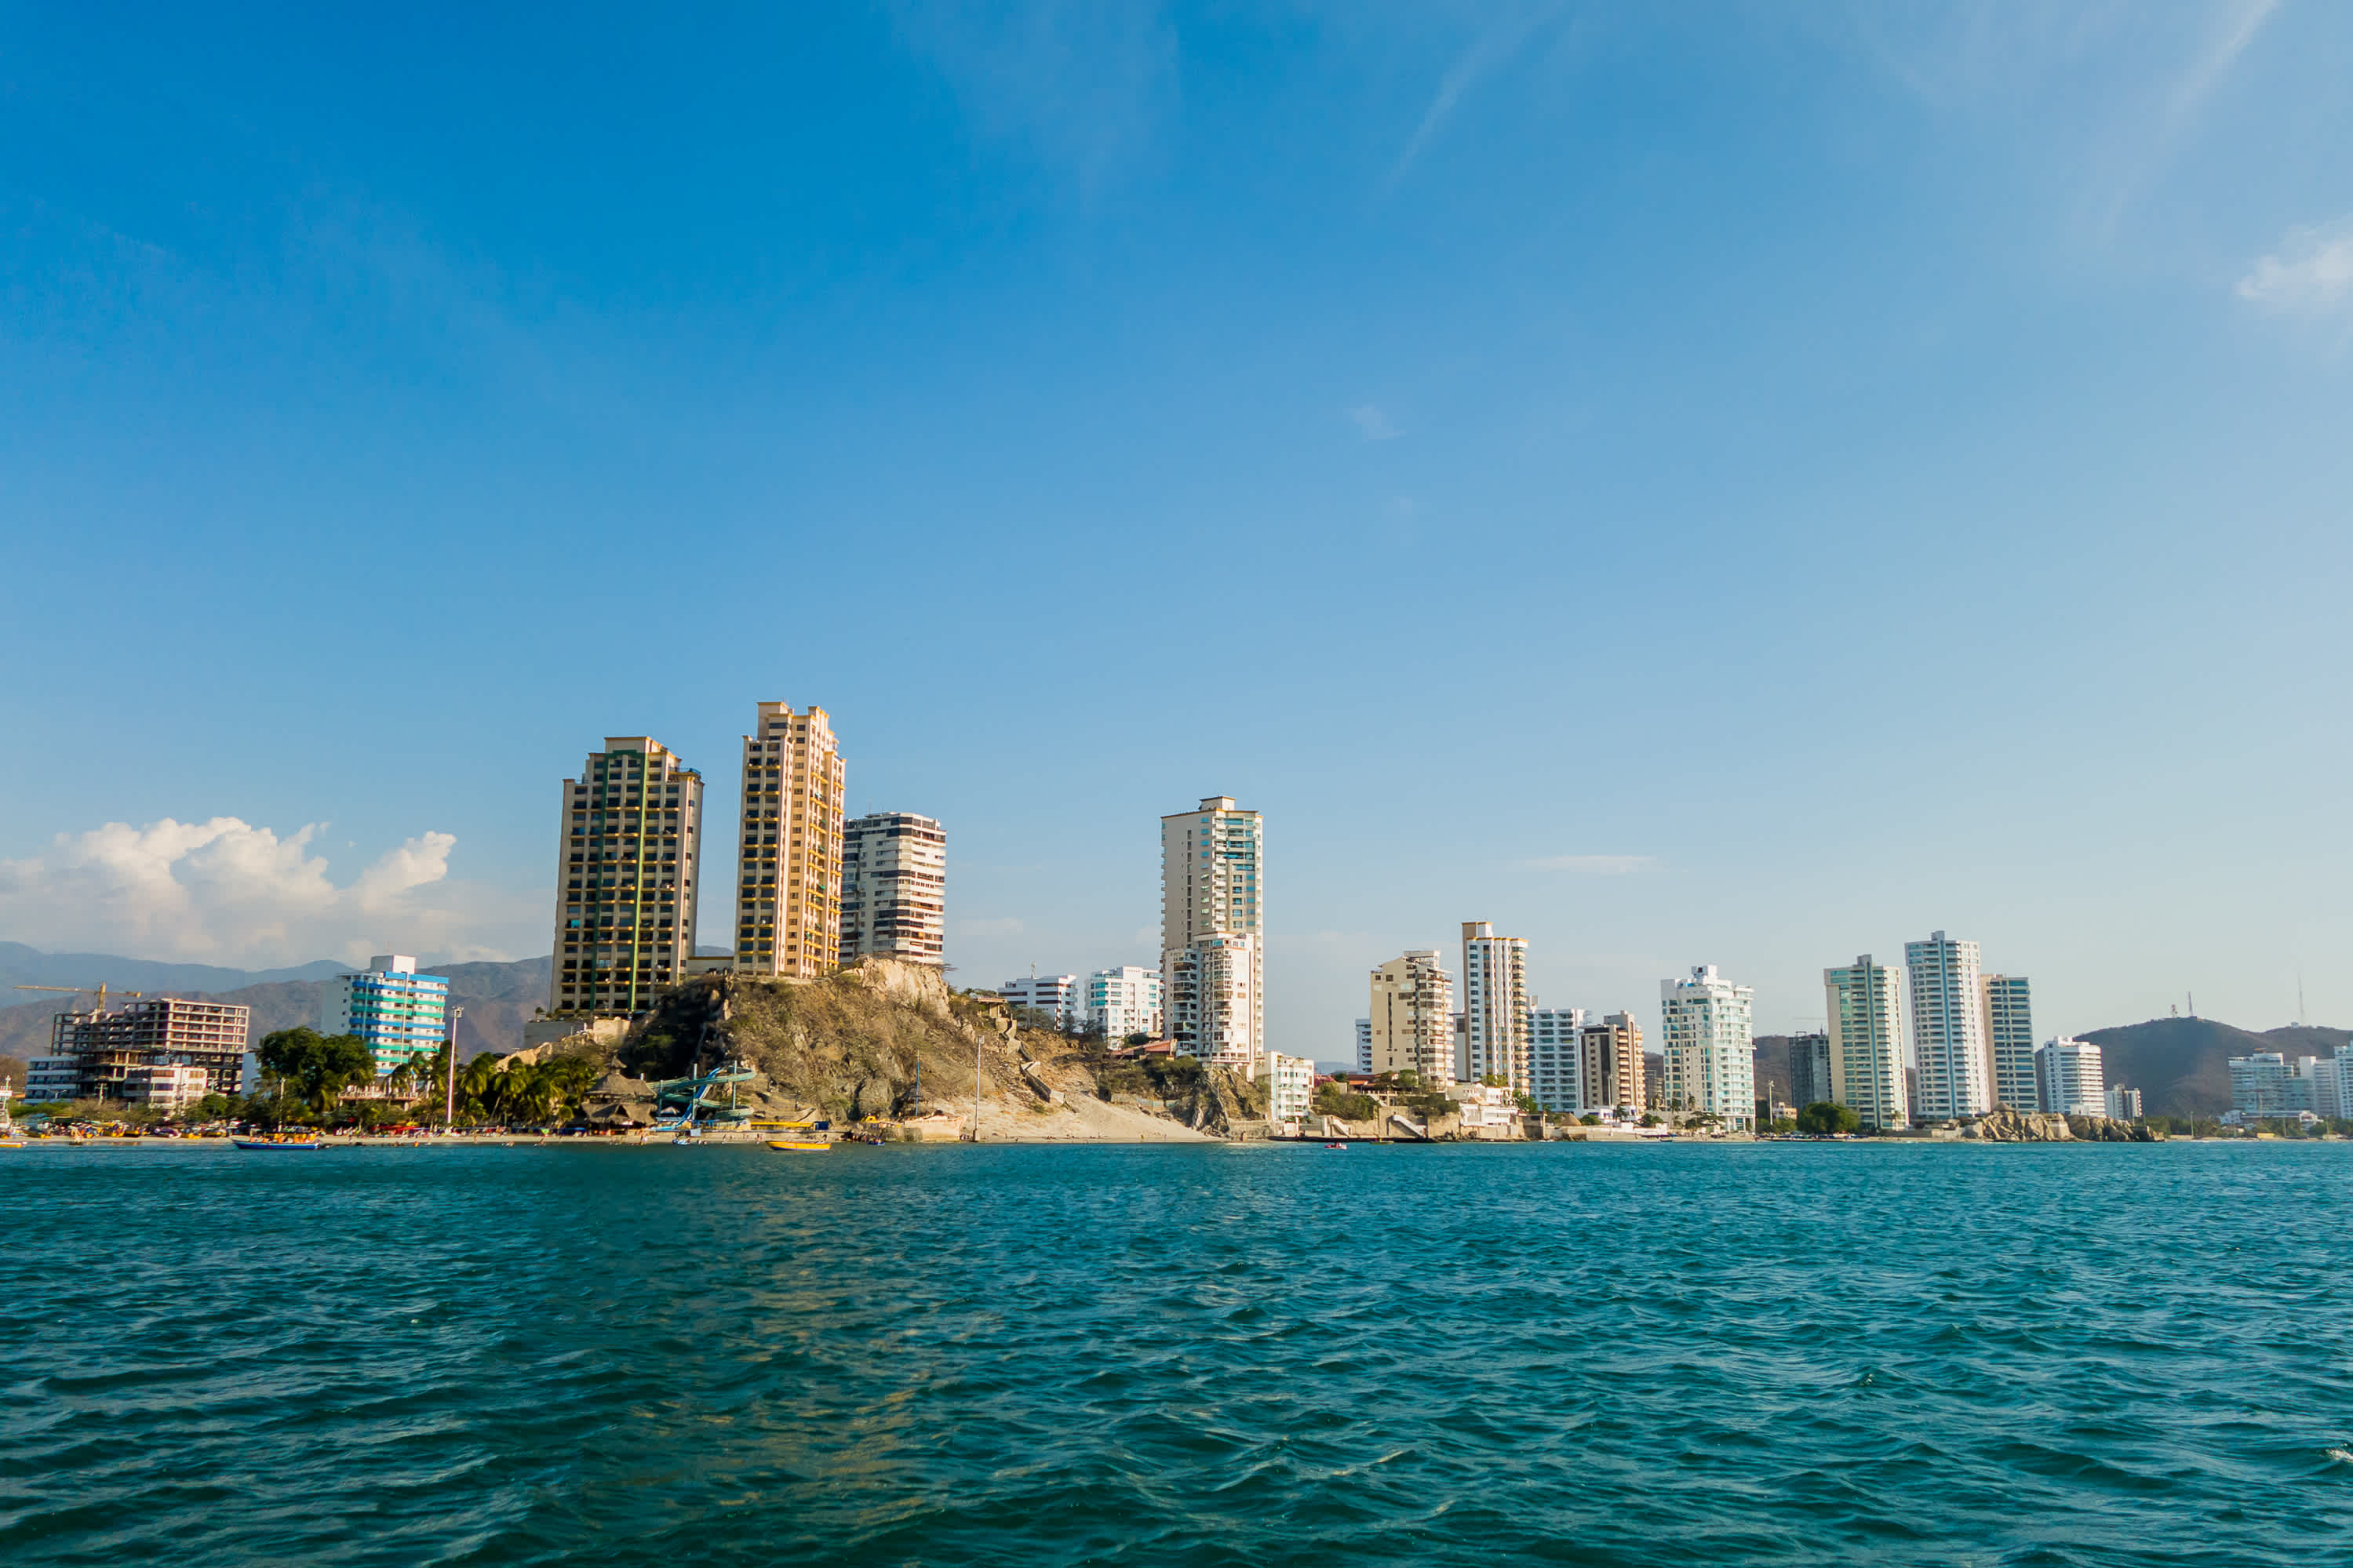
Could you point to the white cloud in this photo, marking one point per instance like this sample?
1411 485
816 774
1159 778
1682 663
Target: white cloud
1372 423
225 892
1005 926
1597 865
2312 272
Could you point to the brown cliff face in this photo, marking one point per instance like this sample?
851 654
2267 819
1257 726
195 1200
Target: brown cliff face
856 1044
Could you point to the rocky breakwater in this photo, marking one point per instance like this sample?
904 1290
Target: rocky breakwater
2008 1126
890 1040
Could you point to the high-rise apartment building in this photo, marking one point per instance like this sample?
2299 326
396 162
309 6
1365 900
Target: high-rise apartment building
1811 1080
2069 1077
1613 1064
894 880
1705 1025
2312 1084
1412 1017
2259 1084
1865 1044
1494 1006
2009 1032
788 876
398 1015
1949 1028
108 1048
1123 1001
629 841
1212 932
1556 1061
1364 1045
2123 1104
1058 997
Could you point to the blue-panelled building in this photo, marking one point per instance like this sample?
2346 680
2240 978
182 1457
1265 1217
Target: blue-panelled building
399 1014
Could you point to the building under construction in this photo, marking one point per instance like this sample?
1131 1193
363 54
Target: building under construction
160 1031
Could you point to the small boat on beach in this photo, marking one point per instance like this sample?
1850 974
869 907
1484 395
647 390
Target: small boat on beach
1340 1146
801 1145
276 1144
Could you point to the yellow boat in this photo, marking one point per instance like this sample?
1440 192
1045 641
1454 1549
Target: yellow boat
796 1146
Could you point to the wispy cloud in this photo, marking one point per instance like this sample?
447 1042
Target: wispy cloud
1372 423
1597 865
1494 43
2237 24
2108 92
1005 926
1084 82
2312 273
225 890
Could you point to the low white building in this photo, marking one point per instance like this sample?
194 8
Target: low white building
2068 1077
1487 1110
167 1088
1123 1001
48 1079
1290 1086
1555 1064
1058 997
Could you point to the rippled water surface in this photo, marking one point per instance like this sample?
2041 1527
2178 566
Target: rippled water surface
1189 1354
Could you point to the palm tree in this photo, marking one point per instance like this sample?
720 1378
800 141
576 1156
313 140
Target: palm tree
477 1085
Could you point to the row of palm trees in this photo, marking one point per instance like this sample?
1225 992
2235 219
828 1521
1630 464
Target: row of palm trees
527 1093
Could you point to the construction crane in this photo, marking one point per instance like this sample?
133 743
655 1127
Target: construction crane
98 990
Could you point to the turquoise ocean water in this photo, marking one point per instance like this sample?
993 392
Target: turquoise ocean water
1180 1355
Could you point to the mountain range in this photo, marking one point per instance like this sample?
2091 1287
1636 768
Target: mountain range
498 997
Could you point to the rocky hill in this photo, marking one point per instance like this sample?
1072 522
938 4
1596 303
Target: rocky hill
2181 1066
891 1040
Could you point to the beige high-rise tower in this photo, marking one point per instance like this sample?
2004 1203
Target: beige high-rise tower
1213 933
626 845
1412 1018
788 871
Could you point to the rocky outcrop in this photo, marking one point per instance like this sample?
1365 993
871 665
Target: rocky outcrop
2008 1126
2107 1130
857 1043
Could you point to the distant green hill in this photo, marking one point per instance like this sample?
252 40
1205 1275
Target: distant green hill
2182 1066
2308 1039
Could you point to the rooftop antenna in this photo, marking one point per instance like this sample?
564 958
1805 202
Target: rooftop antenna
2193 1002
2299 996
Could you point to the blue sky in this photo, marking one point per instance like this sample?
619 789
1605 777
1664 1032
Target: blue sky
1729 484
